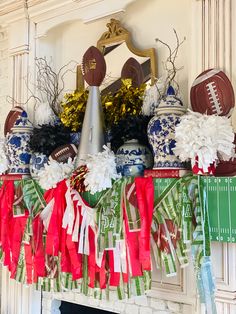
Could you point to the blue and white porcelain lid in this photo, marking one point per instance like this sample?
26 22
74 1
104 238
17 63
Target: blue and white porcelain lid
22 124
170 103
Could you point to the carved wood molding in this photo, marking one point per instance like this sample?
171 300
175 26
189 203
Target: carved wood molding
7 6
47 14
16 9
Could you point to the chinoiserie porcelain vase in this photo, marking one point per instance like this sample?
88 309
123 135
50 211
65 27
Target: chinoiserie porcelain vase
133 158
18 149
161 132
75 138
37 162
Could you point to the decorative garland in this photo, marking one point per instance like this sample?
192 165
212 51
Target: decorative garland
65 244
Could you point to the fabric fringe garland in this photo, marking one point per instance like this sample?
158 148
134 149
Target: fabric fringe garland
60 243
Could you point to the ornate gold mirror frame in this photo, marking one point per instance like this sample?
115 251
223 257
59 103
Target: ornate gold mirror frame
117 35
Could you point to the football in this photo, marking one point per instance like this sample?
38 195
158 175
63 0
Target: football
64 152
212 93
93 66
227 168
132 69
11 118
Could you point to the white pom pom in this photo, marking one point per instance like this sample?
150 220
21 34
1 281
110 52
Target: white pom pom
205 137
4 162
101 171
44 115
54 172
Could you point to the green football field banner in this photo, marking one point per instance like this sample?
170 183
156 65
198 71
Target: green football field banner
221 205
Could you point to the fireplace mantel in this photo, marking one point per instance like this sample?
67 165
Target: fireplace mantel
210 43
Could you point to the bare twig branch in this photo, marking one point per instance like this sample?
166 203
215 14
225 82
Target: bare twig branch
47 84
169 65
51 84
11 100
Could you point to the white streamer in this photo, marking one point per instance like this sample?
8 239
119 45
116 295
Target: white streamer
69 215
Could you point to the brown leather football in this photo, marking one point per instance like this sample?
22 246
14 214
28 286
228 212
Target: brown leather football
227 168
11 118
212 93
132 69
93 66
64 152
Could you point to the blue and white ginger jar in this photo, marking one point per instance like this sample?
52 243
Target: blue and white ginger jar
133 158
18 149
37 162
161 132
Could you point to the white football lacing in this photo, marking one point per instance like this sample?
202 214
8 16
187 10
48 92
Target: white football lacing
214 98
62 151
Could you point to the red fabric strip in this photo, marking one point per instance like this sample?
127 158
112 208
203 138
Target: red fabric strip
145 198
53 240
114 277
39 250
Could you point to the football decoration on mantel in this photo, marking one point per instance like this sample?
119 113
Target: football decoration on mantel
132 69
212 93
92 135
93 66
227 168
64 152
11 118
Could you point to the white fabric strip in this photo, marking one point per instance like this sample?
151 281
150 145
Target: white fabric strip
75 234
69 215
47 213
117 258
88 220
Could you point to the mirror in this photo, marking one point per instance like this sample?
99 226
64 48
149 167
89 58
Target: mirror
117 47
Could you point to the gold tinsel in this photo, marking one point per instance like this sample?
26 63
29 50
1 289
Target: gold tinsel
73 109
125 102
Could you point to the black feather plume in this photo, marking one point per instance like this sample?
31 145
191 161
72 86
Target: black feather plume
48 137
132 127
